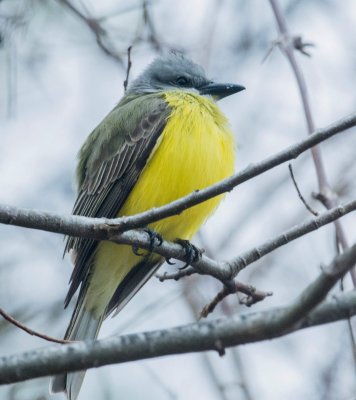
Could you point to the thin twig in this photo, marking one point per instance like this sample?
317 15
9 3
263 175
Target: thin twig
147 19
288 45
99 32
253 295
129 65
307 206
25 328
182 273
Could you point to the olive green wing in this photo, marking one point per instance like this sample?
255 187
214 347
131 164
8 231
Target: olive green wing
110 163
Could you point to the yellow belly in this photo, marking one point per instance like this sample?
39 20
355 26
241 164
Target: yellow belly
195 150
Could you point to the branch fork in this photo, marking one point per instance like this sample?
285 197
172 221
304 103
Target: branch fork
253 296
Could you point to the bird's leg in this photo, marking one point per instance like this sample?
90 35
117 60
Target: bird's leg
192 253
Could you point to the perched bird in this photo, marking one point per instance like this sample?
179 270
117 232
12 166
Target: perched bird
164 139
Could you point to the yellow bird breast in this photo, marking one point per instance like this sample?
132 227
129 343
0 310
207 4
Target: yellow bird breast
195 150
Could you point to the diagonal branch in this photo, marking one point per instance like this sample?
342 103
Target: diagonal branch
213 335
80 225
226 185
25 328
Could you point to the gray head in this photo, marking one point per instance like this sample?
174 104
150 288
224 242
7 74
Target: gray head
176 72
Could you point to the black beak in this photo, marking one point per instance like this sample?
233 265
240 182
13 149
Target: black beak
220 90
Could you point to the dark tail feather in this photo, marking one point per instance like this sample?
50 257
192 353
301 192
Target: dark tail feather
83 326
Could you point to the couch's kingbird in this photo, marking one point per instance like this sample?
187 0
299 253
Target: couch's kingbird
164 139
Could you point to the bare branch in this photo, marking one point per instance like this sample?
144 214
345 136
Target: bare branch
214 335
253 296
25 328
100 33
152 36
288 45
258 252
253 170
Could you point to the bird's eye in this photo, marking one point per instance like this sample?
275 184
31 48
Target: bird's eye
182 81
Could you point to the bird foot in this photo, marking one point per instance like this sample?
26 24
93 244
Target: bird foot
155 241
192 253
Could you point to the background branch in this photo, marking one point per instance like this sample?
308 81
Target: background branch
288 45
28 330
94 24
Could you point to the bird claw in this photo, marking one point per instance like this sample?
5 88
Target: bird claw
155 241
154 236
168 261
192 253
136 251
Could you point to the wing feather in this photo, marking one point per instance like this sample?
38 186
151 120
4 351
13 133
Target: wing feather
111 174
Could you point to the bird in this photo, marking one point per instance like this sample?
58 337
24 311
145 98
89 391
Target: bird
164 139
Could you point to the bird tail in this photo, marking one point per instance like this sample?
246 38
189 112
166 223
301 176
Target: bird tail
83 326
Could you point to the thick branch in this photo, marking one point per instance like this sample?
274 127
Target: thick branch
214 335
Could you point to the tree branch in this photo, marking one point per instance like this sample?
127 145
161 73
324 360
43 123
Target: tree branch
128 68
253 296
94 228
288 45
213 335
297 231
226 185
302 199
80 226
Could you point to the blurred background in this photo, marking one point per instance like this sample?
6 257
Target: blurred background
62 67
